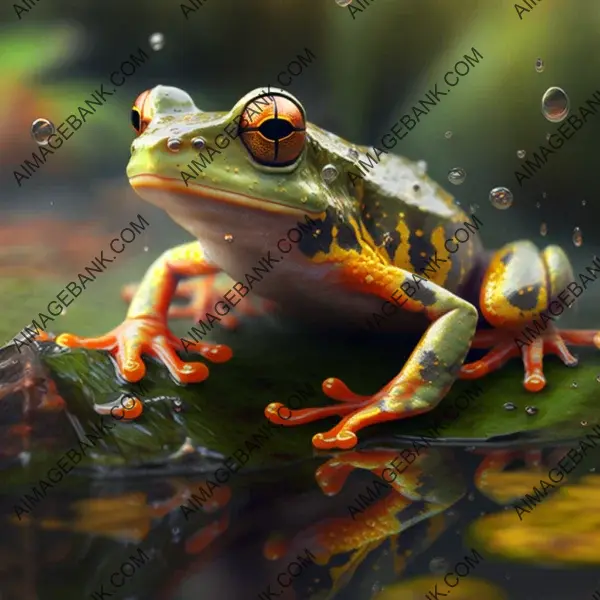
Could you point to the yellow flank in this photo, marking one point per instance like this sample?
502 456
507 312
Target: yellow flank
402 256
440 275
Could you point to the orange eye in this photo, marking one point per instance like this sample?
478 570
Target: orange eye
140 113
273 129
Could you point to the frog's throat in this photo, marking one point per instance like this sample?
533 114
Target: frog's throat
155 184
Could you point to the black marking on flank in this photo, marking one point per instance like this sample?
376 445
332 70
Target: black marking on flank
507 257
526 301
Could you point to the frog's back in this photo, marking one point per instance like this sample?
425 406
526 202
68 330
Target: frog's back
415 222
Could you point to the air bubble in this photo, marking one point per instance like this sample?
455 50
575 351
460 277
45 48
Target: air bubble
531 410
448 135
228 237
577 237
583 203
41 130
157 41
543 229
509 406
521 153
329 173
539 65
501 198
457 175
555 104
421 167
177 405
343 2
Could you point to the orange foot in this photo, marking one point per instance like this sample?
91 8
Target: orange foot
504 346
151 336
201 294
358 412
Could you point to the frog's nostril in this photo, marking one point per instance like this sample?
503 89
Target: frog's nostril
198 143
174 144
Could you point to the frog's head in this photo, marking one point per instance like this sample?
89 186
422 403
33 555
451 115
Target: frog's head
259 156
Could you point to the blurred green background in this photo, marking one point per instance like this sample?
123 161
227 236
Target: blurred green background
368 70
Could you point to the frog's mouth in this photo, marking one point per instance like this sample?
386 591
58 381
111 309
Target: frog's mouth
157 185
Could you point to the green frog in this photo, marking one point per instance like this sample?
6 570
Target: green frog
385 244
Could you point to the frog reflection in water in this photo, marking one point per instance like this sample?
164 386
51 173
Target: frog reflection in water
418 499
264 177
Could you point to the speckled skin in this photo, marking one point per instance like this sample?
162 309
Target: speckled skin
371 234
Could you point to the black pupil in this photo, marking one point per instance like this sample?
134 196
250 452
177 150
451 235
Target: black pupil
135 119
276 129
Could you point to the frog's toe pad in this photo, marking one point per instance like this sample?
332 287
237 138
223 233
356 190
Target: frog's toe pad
504 347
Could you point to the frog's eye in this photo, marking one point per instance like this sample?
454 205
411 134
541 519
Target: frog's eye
140 112
273 129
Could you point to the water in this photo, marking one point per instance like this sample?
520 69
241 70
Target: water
217 479
555 104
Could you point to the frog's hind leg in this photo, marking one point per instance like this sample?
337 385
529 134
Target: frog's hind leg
426 376
519 298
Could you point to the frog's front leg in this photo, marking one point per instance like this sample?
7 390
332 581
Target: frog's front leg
145 330
427 375
201 294
520 285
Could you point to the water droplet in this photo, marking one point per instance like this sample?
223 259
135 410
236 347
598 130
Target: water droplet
584 423
421 167
343 2
531 410
543 229
521 153
174 144
228 237
509 406
156 41
438 565
457 175
555 104
448 135
177 405
574 385
41 130
583 203
577 237
329 173
353 154
501 198
146 248
539 65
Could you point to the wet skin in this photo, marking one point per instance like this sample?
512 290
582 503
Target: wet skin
262 177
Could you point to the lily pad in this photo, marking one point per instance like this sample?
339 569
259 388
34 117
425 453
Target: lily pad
269 365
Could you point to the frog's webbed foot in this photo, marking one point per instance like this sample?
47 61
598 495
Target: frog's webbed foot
141 335
522 305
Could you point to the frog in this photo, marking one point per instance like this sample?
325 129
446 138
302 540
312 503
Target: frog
264 169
